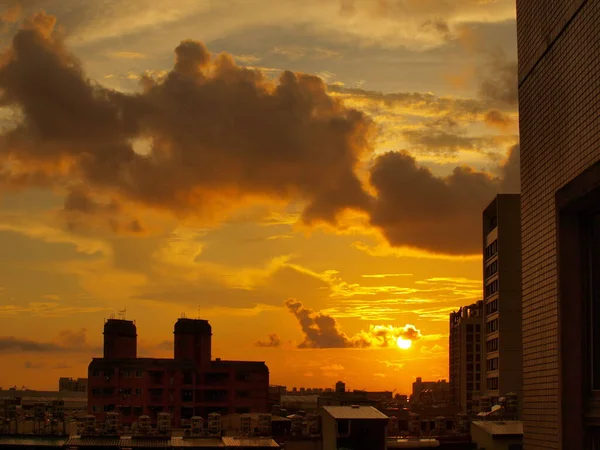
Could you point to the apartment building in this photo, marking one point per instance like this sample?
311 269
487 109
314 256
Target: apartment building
466 354
559 101
502 297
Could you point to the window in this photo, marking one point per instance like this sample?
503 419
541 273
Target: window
492 364
492 345
491 249
492 383
491 269
491 307
491 326
491 288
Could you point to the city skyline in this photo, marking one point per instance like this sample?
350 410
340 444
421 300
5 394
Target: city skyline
315 262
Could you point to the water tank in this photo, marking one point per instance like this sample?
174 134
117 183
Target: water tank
276 410
214 424
440 424
485 404
196 426
112 422
414 424
144 424
163 422
264 424
58 409
463 423
246 424
89 424
39 410
512 404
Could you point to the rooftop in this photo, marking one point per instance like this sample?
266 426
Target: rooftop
507 428
354 412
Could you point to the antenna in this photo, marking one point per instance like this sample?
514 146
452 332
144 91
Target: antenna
122 313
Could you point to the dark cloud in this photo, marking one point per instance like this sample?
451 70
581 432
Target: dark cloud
321 330
499 80
66 341
417 209
221 134
274 341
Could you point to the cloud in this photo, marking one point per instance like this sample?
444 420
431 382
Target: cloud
68 341
415 208
221 134
11 15
127 55
499 80
322 331
274 341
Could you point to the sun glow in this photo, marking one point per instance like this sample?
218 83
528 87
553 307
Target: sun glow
404 344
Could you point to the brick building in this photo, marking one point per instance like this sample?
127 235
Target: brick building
190 384
559 104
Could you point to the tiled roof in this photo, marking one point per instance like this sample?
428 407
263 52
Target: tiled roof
250 442
511 427
351 412
93 441
31 441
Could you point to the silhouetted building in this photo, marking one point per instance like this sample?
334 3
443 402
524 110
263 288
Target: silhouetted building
559 76
190 384
73 385
431 392
502 296
466 350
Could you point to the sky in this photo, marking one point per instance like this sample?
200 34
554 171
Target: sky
308 176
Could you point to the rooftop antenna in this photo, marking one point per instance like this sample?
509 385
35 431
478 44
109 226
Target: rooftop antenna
122 313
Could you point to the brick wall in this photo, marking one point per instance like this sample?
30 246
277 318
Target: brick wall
559 96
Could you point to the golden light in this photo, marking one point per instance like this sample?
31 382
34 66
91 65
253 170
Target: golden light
404 344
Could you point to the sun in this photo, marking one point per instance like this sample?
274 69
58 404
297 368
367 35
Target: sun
404 344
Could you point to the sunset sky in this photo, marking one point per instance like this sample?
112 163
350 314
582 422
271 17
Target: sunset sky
307 175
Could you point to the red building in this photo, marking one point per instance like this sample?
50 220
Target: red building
190 384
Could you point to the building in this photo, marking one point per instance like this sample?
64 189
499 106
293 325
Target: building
502 296
502 435
466 350
355 427
73 385
190 384
559 76
432 392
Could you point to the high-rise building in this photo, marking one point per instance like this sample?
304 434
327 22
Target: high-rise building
559 104
502 297
190 384
466 354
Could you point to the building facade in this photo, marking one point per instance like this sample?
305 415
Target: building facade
466 354
559 101
190 384
502 297
73 385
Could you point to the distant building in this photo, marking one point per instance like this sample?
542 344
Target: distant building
354 427
190 384
73 385
502 297
431 392
466 350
